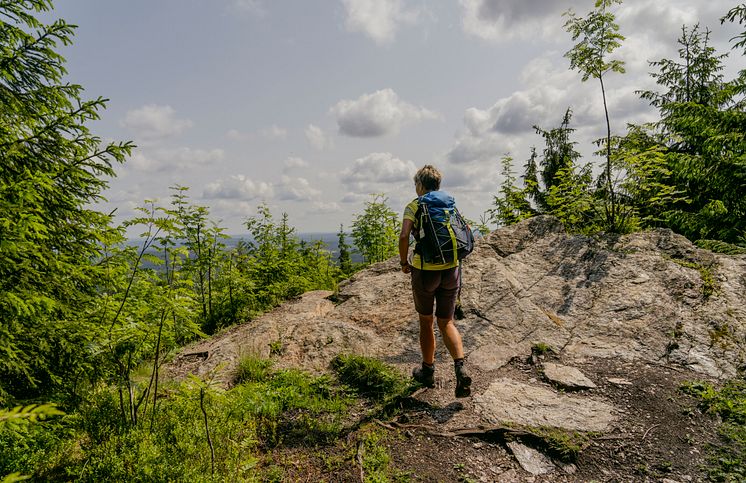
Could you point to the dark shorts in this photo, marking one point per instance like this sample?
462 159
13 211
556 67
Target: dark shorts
435 286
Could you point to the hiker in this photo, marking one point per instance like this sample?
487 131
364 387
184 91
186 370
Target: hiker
433 283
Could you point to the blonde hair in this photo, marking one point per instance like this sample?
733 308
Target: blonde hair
428 177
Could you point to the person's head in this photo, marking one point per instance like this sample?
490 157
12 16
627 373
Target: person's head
427 179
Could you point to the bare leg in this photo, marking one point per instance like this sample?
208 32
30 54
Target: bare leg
427 338
451 337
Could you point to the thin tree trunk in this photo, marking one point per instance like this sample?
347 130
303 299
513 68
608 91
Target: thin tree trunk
610 185
207 428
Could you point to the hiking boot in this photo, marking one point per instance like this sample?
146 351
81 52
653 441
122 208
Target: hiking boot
463 382
424 375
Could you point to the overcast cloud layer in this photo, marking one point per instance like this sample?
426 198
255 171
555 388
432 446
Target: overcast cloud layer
312 107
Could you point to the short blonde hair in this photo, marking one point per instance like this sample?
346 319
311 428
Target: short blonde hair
428 177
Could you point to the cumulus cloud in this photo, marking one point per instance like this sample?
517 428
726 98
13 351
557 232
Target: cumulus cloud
377 114
237 187
378 19
296 189
502 20
158 160
317 138
152 122
549 88
376 172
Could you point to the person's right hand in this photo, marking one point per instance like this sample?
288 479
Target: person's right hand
406 268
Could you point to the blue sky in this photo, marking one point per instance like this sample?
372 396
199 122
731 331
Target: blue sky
312 105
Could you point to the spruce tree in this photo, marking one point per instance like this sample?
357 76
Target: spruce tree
52 170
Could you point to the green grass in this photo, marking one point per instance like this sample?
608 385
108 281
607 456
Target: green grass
267 409
726 460
371 378
253 369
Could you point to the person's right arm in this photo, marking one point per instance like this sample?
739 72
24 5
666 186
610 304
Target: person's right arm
406 229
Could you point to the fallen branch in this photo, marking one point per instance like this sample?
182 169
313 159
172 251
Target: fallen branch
359 458
478 431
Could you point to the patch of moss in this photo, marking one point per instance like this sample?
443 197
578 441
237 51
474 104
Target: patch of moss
709 284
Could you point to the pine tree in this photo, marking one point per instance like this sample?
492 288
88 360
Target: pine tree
344 259
52 170
375 230
701 129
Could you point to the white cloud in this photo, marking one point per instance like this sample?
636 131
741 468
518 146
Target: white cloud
271 133
294 163
549 88
377 114
377 172
317 138
502 20
153 122
157 160
237 187
296 189
378 19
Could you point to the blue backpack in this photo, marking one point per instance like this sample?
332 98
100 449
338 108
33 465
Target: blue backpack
442 235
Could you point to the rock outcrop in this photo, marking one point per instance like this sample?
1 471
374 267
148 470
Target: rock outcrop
650 298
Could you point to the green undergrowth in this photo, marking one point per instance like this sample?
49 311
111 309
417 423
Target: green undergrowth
718 246
727 458
372 378
200 432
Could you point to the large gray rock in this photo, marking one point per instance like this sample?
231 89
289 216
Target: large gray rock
531 460
638 297
509 401
567 377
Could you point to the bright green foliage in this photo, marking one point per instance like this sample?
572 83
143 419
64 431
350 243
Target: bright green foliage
284 407
20 415
647 192
727 460
559 153
375 231
737 14
253 369
370 377
51 170
571 199
280 265
599 37
511 204
148 308
703 135
563 190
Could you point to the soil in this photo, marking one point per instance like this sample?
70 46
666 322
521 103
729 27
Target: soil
661 435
